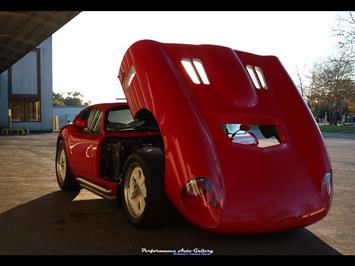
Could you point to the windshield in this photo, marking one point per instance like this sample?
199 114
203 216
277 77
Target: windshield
121 119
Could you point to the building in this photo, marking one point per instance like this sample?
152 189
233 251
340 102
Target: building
26 67
26 90
66 114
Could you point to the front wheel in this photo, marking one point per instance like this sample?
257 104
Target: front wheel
142 189
64 177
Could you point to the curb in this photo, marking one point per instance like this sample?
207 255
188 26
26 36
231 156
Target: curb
338 135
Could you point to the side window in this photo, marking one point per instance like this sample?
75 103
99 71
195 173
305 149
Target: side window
119 118
93 118
94 121
84 114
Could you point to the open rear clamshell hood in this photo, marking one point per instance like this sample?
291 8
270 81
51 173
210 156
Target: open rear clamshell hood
193 91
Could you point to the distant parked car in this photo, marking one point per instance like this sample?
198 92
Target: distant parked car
186 140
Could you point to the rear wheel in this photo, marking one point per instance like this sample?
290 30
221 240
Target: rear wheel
64 177
142 190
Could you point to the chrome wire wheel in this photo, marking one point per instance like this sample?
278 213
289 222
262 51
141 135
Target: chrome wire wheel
135 191
61 166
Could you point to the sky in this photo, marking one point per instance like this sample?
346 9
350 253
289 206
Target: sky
88 50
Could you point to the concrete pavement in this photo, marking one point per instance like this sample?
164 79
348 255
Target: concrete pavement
37 218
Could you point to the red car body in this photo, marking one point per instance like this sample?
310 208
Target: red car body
84 150
249 189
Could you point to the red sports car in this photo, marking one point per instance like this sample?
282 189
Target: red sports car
223 136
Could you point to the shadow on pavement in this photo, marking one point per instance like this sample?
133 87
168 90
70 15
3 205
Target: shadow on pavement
55 224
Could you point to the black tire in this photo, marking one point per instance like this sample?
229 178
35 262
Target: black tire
65 181
158 210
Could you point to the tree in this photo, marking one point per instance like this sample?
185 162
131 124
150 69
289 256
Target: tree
331 88
58 99
345 30
301 83
351 106
72 99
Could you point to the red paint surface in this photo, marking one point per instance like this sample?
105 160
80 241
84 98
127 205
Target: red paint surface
258 189
261 189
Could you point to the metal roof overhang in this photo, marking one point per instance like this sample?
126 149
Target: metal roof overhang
21 31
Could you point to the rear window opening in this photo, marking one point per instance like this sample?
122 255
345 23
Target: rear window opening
253 134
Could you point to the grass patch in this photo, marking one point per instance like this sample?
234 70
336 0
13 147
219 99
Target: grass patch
341 129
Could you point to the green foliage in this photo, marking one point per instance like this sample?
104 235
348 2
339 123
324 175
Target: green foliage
58 99
73 98
344 129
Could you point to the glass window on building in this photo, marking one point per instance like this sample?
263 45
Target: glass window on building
25 110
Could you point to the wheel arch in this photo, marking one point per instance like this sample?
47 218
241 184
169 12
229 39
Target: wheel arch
151 160
59 138
148 116
151 121
67 153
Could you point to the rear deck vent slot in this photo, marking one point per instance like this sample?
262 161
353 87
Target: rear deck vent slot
260 75
257 76
194 68
201 70
130 76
